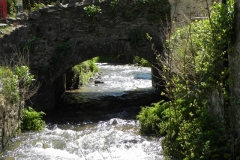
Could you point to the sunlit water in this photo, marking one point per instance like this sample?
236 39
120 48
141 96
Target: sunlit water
113 139
118 79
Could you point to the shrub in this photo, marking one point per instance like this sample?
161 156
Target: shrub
10 88
150 117
11 7
92 12
193 69
16 83
32 120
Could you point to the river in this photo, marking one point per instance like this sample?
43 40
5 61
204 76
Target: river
96 122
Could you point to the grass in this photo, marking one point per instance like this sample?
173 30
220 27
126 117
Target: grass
6 30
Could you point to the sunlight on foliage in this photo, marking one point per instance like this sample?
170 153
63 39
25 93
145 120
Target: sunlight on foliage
32 120
15 82
193 70
84 71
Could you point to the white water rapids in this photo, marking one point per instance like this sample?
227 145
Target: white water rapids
112 139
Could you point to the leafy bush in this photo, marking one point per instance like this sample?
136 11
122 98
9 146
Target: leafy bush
92 12
32 120
10 87
193 70
11 7
16 82
150 117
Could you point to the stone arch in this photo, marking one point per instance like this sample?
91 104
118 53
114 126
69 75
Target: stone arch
58 40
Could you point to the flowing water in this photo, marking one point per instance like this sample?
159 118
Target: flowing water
110 136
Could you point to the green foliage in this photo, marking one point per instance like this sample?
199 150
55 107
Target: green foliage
37 6
115 7
29 45
141 61
10 85
92 12
25 79
15 82
194 71
30 4
27 4
32 120
11 7
150 117
4 30
84 71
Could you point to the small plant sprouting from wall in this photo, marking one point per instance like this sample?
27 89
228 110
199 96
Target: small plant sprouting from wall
125 9
115 7
92 12
29 45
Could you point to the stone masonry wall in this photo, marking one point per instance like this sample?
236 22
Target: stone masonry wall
67 26
185 10
9 122
234 60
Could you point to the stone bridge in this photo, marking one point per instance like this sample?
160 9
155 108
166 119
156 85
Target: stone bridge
56 38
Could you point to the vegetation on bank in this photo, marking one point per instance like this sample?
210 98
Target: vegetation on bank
84 71
141 61
122 59
17 84
5 30
32 120
197 80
